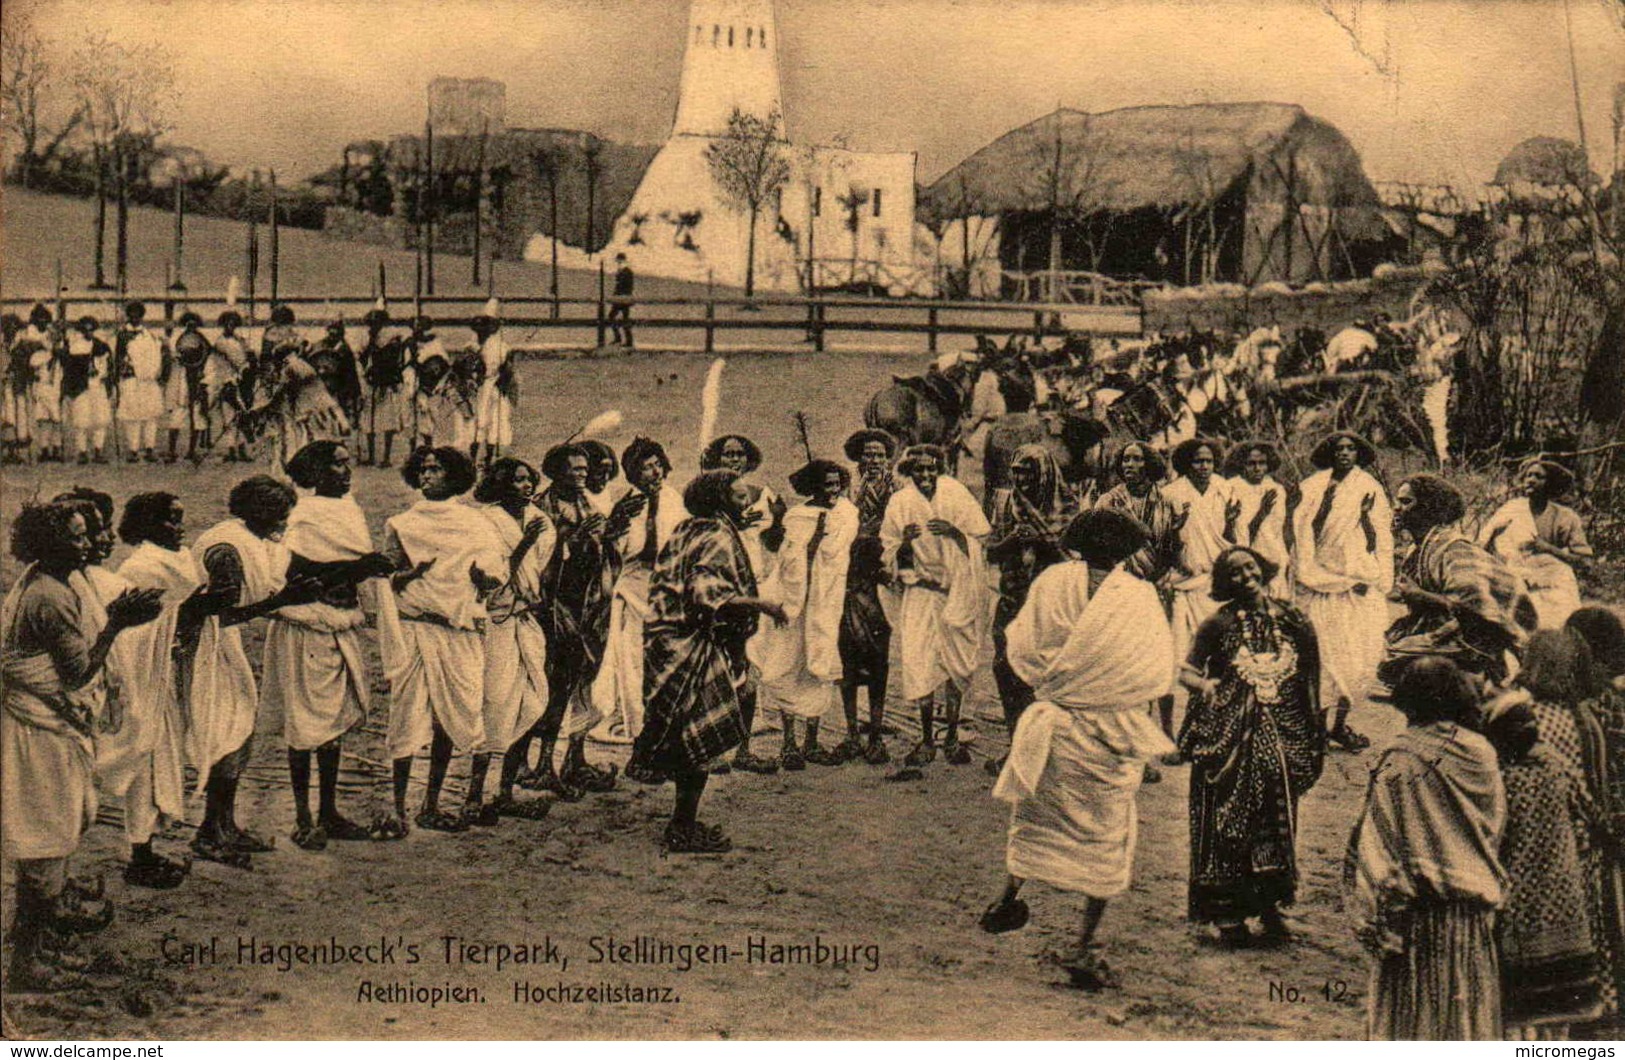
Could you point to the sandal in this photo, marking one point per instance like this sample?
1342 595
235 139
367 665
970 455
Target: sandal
590 778
343 830
1347 739
752 764
310 837
644 774
1275 928
549 781
1174 759
388 828
696 839
994 767
848 750
876 754
480 815
522 809
922 755
1153 775
955 753
249 843
160 873
213 848
72 915
820 757
791 761
1007 914
441 821
1234 936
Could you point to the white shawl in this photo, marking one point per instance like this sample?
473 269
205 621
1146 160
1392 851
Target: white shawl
155 707
1102 659
1340 558
813 596
1203 534
963 574
224 697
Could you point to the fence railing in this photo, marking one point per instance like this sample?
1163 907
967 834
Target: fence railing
815 319
1076 288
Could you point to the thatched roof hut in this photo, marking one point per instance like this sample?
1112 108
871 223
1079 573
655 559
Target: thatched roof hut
1243 192
1546 160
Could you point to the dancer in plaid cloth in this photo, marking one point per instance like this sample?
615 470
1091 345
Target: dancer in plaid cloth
703 607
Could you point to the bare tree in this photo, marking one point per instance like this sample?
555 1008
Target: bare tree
748 164
29 79
592 164
1068 167
549 163
128 94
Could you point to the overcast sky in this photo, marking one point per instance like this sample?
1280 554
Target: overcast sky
1426 89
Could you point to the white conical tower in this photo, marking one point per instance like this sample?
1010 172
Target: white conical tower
731 60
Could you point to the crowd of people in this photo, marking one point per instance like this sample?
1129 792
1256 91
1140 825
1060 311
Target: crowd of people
80 391
518 606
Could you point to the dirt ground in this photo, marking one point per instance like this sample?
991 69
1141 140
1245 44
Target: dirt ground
832 856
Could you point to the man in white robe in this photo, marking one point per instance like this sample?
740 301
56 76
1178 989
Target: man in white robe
139 355
143 761
84 384
801 662
1202 504
650 511
315 672
1343 561
493 407
245 563
447 561
516 686
138 758
931 539
1093 644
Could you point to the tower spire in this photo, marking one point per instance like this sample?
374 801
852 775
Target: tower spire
731 60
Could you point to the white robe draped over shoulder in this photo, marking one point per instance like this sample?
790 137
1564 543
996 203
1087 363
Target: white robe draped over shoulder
224 698
1078 754
1202 540
515 646
148 749
1351 626
617 691
437 667
939 628
315 673
801 663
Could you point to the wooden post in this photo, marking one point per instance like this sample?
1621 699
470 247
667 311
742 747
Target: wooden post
491 275
931 330
601 309
169 301
276 243
818 327
479 194
180 232
383 281
253 264
710 312
429 207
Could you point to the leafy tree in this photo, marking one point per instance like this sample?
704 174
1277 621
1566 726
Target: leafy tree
748 164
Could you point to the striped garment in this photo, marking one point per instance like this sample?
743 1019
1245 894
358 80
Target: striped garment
1422 878
695 668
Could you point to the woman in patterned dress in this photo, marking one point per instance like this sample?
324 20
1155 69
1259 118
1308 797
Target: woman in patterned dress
1561 677
1253 736
1549 966
1605 634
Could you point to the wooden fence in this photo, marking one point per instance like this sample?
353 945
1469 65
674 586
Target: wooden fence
815 319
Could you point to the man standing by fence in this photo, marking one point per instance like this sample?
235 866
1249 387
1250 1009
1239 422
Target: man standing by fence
620 309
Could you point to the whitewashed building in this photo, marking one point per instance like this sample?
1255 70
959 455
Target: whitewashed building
850 212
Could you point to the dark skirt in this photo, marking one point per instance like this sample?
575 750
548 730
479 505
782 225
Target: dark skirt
865 636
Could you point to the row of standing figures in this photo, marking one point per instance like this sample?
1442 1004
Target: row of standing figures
181 393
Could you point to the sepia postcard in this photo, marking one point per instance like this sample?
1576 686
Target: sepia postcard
812 519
